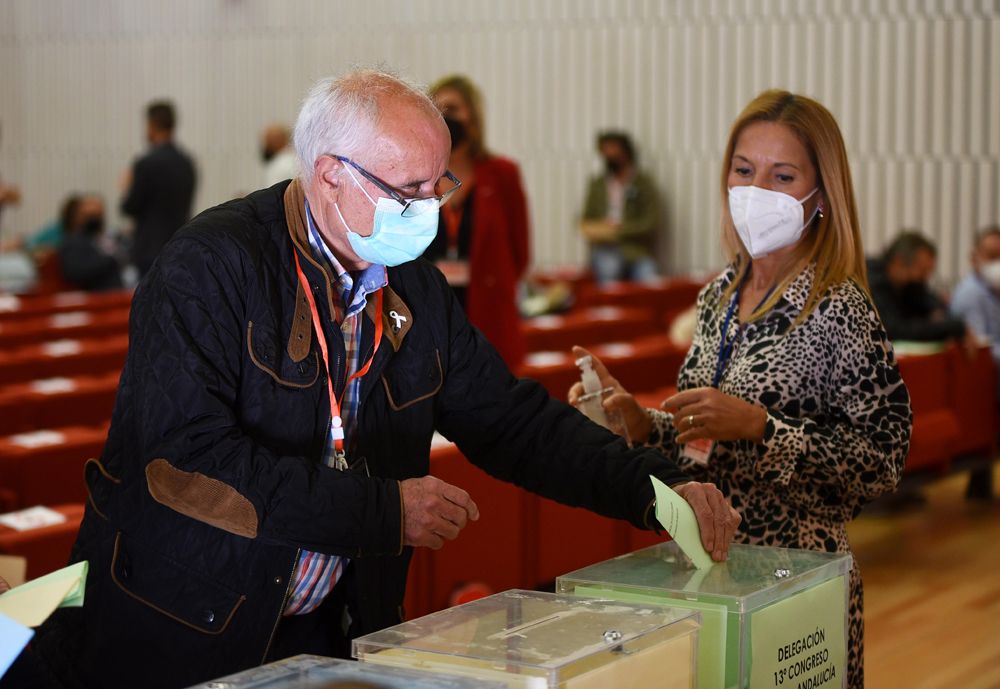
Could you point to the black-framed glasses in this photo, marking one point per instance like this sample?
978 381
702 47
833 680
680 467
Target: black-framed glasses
411 207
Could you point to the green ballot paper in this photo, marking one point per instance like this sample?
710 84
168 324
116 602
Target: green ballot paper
31 604
677 518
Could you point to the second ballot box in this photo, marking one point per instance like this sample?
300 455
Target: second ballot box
771 617
317 672
528 639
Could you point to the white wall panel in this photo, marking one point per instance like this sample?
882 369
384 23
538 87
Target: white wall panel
915 85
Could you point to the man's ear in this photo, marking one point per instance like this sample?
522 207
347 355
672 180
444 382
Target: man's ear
327 176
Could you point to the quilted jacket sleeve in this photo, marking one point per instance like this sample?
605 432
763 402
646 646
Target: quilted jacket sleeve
515 431
183 376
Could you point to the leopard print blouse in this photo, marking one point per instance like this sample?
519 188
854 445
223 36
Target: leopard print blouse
838 425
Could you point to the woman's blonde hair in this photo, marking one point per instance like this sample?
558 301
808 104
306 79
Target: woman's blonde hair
474 100
833 242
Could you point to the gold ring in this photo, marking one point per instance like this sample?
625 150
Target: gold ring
691 421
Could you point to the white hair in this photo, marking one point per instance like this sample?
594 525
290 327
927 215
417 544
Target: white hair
341 116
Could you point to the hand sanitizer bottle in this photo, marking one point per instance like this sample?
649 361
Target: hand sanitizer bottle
591 402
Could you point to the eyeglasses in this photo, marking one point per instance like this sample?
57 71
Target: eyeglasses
411 207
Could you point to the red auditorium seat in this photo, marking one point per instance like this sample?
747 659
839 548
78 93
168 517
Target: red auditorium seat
63 358
19 308
662 296
936 427
45 548
46 467
58 326
586 327
83 401
972 383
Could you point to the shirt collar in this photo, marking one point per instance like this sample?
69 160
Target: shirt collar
370 280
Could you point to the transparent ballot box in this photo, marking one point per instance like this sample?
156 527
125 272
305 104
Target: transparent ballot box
535 640
317 672
771 617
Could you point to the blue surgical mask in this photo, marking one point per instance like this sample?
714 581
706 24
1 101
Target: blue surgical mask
394 239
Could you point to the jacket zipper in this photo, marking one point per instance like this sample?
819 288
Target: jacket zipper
284 602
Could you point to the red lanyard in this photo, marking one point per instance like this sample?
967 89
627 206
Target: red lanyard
336 421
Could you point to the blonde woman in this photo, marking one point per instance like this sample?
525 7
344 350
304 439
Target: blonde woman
790 398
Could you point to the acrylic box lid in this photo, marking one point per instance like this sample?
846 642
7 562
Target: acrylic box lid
752 577
309 672
533 633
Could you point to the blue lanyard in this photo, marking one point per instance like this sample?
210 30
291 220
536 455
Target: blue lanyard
727 344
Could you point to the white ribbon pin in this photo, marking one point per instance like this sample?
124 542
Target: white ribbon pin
399 320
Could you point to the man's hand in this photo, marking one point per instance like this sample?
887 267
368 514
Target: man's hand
434 511
717 520
707 413
636 420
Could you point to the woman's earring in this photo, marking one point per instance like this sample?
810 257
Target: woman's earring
820 212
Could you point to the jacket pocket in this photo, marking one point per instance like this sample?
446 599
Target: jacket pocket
413 381
267 354
172 589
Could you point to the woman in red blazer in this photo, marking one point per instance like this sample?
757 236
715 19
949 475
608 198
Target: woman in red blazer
482 245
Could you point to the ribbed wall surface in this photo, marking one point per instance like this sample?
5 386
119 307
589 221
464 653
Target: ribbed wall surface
915 85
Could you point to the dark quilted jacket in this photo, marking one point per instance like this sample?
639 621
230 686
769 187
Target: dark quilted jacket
210 482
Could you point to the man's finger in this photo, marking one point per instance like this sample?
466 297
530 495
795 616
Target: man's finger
695 495
457 496
721 517
451 513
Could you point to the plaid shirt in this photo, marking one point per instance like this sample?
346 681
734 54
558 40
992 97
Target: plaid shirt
315 573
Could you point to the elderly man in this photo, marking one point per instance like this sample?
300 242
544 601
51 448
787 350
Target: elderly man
265 476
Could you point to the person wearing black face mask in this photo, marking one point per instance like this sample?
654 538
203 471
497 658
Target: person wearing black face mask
482 244
85 260
621 215
909 308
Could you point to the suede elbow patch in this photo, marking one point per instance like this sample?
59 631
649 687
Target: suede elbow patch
197 496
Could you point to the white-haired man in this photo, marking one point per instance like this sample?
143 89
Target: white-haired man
265 476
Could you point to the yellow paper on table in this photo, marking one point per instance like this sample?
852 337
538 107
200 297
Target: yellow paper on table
677 517
31 604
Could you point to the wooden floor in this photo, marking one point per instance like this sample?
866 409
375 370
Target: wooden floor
932 592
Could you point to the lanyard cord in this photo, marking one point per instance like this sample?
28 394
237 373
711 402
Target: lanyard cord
727 344
337 423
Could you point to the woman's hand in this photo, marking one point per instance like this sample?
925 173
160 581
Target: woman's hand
706 413
636 420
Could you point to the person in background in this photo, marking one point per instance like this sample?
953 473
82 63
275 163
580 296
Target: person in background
278 155
621 215
482 244
266 474
976 300
86 257
50 236
790 398
900 287
159 188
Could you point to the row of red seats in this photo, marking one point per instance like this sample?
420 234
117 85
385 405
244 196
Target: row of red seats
953 396
16 308
79 324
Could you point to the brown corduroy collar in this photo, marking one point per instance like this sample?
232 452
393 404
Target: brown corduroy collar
396 315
